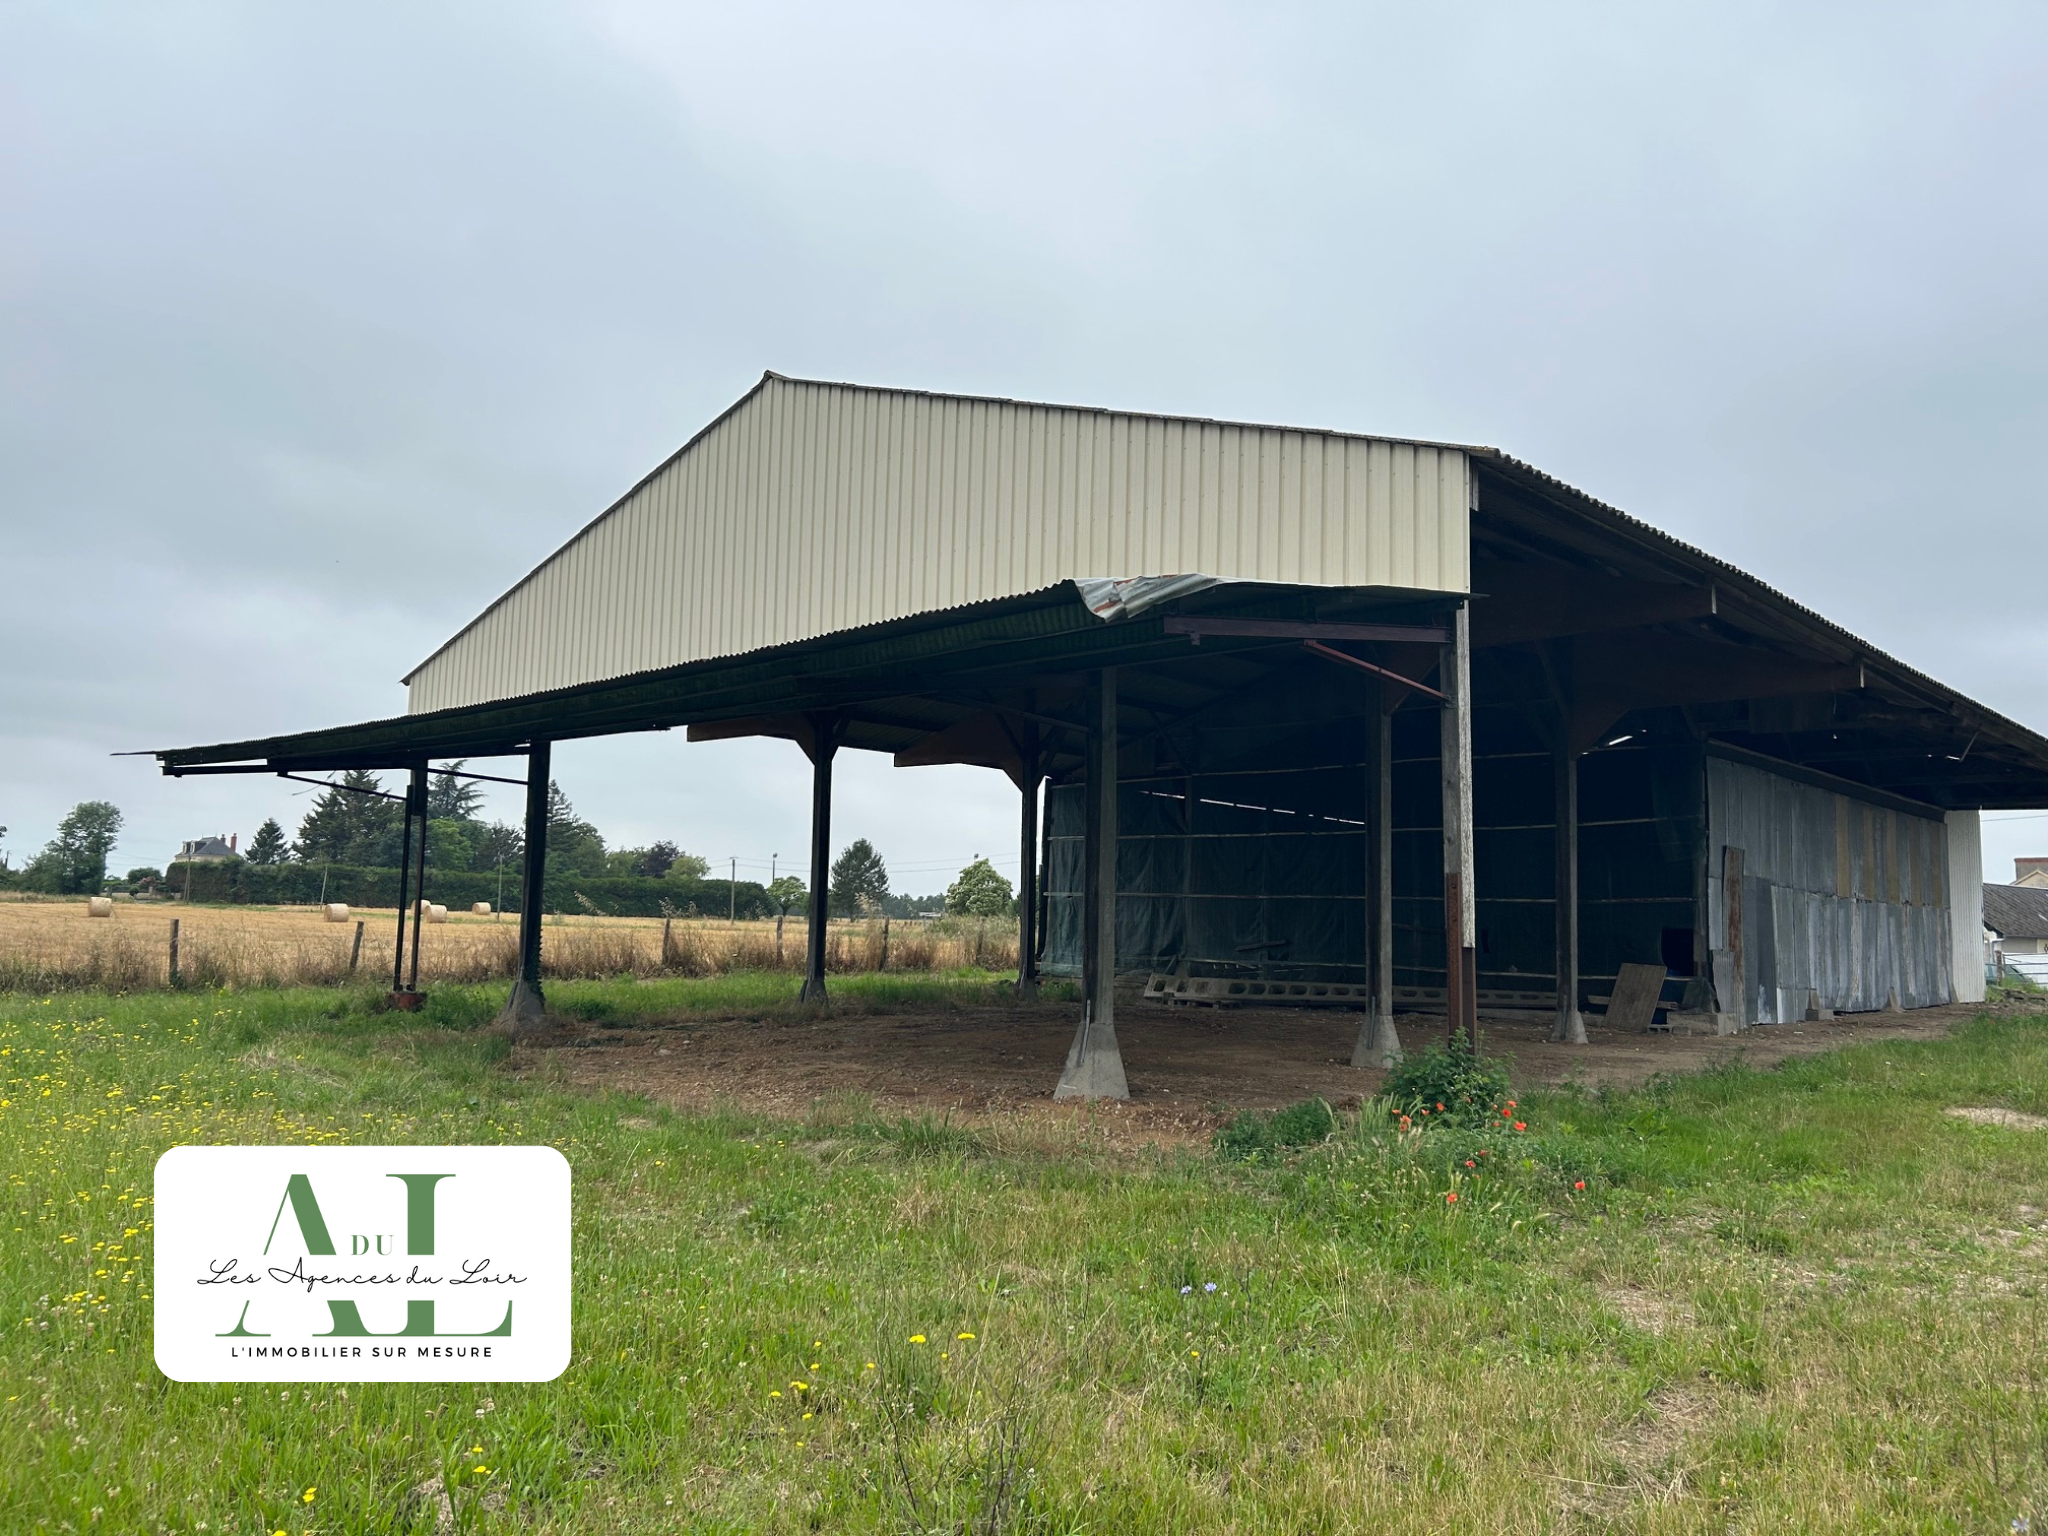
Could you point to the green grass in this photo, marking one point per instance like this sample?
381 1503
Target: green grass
1796 1300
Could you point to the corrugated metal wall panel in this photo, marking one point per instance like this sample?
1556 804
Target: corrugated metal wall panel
814 508
1856 910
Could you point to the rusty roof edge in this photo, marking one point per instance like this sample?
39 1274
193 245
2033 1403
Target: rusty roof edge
1958 702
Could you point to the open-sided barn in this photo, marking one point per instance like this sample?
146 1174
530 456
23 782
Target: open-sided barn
1317 716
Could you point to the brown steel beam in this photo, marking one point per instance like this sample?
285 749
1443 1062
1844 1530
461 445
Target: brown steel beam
1289 629
1366 666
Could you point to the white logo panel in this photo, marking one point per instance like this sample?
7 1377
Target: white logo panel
362 1264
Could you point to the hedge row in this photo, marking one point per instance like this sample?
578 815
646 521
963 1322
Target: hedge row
616 896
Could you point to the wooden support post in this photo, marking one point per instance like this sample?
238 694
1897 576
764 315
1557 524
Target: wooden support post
355 950
174 952
1461 979
1028 780
1737 1002
1378 1044
525 1011
1095 1066
1569 1027
824 743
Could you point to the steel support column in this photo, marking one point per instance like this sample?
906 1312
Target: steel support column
416 805
404 896
1570 1025
1378 1044
526 1008
1095 1066
822 746
1461 959
1029 777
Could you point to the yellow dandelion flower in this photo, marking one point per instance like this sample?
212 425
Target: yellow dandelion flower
917 1338
306 1497
773 1393
964 1335
869 1366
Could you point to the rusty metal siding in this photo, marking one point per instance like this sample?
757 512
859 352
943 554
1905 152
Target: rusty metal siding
1841 897
813 508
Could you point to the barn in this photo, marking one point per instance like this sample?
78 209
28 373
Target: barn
1299 716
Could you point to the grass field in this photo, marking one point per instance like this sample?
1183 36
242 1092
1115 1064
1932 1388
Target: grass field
47 945
1800 1300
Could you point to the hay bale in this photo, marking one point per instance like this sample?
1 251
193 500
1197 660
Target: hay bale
480 909
99 906
436 913
335 911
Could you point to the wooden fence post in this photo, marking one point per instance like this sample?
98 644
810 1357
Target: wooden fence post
355 952
174 951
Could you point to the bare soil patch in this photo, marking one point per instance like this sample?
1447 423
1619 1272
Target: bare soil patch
2009 1119
1188 1067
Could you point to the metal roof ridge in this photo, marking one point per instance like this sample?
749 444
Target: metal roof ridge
1111 410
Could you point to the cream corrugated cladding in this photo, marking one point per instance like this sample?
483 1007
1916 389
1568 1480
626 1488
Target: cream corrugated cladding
811 508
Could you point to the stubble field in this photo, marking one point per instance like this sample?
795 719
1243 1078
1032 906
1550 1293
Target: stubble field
54 945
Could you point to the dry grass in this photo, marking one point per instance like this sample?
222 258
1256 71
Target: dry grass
52 945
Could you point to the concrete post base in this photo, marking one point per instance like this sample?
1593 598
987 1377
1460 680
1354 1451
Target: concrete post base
1377 1046
524 1013
1569 1028
1095 1067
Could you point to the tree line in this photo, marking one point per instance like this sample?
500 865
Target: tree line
357 824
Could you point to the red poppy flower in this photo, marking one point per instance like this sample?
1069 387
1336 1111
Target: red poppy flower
1580 1185
1520 1127
1470 1164
1452 1197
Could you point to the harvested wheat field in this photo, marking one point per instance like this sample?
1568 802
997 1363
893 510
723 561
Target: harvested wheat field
51 945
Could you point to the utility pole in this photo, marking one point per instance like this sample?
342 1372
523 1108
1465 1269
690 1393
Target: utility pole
732 895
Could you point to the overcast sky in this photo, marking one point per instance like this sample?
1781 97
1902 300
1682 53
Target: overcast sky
319 326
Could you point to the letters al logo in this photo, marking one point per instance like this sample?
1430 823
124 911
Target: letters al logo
298 1206
396 1263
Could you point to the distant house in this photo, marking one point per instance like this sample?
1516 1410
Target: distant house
209 850
2016 928
2031 872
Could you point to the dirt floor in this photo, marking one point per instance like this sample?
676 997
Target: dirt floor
1188 1067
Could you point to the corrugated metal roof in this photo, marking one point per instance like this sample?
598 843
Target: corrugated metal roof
814 508
1966 708
2016 911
